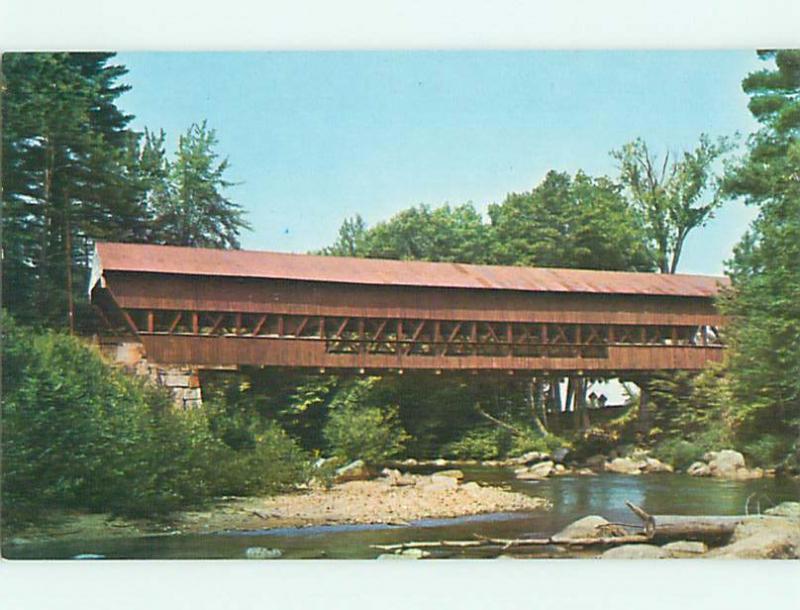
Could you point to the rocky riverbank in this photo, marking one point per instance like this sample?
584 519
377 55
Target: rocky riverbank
393 498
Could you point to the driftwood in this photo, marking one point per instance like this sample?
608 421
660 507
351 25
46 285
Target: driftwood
681 526
653 526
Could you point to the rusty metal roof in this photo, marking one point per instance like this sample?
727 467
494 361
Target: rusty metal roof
305 267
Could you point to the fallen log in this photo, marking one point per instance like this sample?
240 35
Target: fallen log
686 526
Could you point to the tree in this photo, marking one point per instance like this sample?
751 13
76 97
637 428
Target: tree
673 196
580 222
764 302
68 177
187 195
350 241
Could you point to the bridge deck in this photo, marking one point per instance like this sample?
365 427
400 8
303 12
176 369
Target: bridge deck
212 308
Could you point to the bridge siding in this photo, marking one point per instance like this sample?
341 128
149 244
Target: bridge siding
212 351
180 293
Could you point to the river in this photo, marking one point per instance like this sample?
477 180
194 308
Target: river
572 497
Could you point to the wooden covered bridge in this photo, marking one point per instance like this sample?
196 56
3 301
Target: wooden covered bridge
206 308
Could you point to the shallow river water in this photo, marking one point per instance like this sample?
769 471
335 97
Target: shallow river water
571 497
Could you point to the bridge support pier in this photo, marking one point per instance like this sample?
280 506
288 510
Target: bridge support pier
182 382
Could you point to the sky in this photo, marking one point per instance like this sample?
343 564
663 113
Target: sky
315 137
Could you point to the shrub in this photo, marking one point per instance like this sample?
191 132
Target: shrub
531 441
78 433
480 444
678 452
358 430
274 463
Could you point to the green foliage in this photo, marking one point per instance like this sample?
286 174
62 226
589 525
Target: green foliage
68 176
357 430
569 222
79 433
764 303
187 195
673 197
678 452
455 234
275 462
480 444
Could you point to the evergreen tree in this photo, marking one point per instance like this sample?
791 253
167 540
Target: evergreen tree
68 177
187 195
764 303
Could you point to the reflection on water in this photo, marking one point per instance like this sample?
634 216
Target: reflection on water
572 498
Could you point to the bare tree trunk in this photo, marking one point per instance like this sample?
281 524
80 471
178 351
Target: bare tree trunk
532 402
644 423
68 264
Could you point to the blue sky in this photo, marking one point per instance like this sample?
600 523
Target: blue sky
314 137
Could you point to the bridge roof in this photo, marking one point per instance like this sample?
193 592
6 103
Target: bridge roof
142 258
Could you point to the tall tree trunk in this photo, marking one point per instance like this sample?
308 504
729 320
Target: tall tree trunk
44 238
68 265
644 422
534 407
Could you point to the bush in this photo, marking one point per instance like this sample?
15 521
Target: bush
274 463
680 453
480 444
532 441
356 430
78 433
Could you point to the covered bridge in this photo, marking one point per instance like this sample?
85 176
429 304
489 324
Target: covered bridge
208 308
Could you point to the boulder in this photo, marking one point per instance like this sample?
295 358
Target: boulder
685 548
725 463
560 454
763 538
354 471
405 554
624 466
699 469
785 509
596 462
586 472
470 487
261 552
529 458
396 478
636 551
409 462
437 483
592 526
453 474
559 469
537 472
652 465
440 462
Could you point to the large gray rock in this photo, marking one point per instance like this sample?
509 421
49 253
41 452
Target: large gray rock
560 454
763 538
405 554
438 483
537 472
596 462
725 463
354 471
592 526
636 551
453 474
625 466
653 466
699 469
685 548
260 552
785 509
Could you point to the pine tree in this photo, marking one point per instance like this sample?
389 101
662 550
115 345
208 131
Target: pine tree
187 195
68 178
764 303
